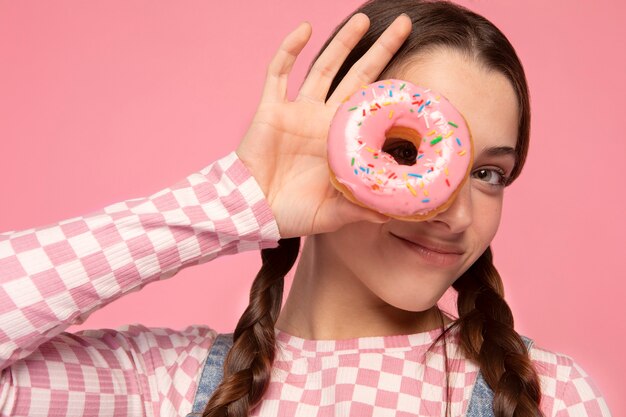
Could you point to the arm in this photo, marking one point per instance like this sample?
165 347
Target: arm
55 276
134 371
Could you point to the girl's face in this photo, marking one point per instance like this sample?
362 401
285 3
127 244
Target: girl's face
409 265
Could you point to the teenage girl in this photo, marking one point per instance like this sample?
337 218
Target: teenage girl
360 333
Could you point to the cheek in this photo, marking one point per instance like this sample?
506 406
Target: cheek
488 211
356 243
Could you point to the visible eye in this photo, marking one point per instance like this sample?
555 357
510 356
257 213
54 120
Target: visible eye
403 151
492 176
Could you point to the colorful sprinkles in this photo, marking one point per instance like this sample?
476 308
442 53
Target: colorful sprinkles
436 140
379 171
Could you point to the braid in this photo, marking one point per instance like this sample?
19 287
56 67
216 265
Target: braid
247 368
488 337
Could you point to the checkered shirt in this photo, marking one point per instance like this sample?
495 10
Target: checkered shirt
55 276
405 376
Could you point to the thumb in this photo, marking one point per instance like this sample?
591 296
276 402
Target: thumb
340 211
354 213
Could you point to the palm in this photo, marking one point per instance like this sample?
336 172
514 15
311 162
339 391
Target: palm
290 154
285 146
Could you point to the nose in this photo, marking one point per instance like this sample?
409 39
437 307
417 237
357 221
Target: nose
459 215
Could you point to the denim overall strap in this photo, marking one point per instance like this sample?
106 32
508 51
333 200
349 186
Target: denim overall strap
481 402
212 373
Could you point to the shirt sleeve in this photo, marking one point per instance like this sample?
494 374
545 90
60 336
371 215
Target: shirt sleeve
567 390
579 396
55 276
133 371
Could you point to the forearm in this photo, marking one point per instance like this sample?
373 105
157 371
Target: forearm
53 277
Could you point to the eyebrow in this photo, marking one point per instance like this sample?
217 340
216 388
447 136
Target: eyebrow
501 150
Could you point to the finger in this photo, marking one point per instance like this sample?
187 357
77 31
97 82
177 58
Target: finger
367 69
275 88
338 212
320 77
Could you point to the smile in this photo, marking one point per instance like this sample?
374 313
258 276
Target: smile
431 252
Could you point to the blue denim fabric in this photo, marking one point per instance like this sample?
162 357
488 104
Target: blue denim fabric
482 399
480 404
212 373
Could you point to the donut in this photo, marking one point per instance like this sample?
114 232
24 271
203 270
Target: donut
399 149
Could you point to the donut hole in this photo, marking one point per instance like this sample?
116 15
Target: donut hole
402 144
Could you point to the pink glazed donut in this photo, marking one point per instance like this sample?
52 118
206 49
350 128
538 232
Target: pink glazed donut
395 114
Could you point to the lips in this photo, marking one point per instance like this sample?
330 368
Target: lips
430 251
443 248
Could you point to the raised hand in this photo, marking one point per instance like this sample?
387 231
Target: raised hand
285 146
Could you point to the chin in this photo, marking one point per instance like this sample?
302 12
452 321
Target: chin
416 304
414 291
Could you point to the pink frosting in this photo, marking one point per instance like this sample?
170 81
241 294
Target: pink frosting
357 135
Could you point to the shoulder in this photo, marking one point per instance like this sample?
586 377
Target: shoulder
167 362
143 368
161 345
567 390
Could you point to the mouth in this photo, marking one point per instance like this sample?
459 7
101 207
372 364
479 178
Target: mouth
431 252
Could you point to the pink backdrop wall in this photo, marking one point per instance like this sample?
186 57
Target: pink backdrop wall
103 101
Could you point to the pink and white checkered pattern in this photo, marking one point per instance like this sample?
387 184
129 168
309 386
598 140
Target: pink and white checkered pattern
404 376
134 371
56 276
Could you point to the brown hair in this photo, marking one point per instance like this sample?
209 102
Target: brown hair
485 321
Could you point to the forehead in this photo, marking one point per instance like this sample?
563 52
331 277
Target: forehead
485 97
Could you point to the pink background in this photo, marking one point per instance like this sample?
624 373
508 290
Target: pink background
104 101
